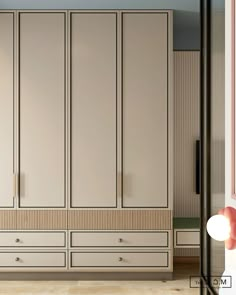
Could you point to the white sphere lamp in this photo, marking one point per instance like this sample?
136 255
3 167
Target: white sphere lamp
218 227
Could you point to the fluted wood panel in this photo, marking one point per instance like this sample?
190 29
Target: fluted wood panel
187 252
186 131
86 219
120 219
41 219
8 219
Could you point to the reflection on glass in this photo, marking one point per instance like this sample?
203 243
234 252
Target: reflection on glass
217 128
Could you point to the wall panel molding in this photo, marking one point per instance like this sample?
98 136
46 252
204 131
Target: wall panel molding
186 131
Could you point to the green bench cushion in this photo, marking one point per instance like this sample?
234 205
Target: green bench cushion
186 222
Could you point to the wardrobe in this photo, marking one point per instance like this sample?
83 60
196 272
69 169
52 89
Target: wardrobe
86 158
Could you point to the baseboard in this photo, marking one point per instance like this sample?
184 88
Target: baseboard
186 259
76 276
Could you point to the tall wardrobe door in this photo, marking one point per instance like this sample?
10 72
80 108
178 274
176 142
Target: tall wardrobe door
145 101
6 109
42 99
93 98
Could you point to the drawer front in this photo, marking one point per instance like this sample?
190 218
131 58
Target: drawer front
32 259
32 239
119 259
187 238
119 239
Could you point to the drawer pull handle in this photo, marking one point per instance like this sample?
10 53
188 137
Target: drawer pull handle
120 259
17 259
120 240
17 240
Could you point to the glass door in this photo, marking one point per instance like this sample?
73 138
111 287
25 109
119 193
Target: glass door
212 139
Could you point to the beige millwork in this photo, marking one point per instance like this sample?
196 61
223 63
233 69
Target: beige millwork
87 219
145 109
42 219
89 94
32 259
6 109
93 99
187 238
32 239
8 219
120 239
42 101
186 130
120 259
120 219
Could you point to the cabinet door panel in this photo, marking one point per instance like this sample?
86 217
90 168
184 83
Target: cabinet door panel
93 98
6 109
145 103
120 259
42 99
32 260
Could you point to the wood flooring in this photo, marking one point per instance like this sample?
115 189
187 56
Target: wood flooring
179 285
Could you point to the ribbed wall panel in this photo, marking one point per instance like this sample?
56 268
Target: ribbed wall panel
86 219
8 219
41 219
186 251
186 131
120 219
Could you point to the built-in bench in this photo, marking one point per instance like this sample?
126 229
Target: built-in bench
186 232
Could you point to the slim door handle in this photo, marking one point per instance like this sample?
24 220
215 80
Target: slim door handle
14 185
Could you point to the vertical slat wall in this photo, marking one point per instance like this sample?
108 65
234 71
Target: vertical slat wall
186 132
186 252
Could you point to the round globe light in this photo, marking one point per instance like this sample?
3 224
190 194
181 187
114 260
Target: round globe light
218 227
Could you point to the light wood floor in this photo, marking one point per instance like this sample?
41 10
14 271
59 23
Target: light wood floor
179 285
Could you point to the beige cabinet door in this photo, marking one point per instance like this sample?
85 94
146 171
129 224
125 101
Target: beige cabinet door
93 99
145 103
6 109
42 99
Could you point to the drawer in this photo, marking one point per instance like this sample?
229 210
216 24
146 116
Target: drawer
32 259
119 239
187 238
119 259
32 239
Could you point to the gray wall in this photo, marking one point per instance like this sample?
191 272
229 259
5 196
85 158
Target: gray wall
186 13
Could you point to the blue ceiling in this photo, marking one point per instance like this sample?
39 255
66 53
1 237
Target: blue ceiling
186 13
